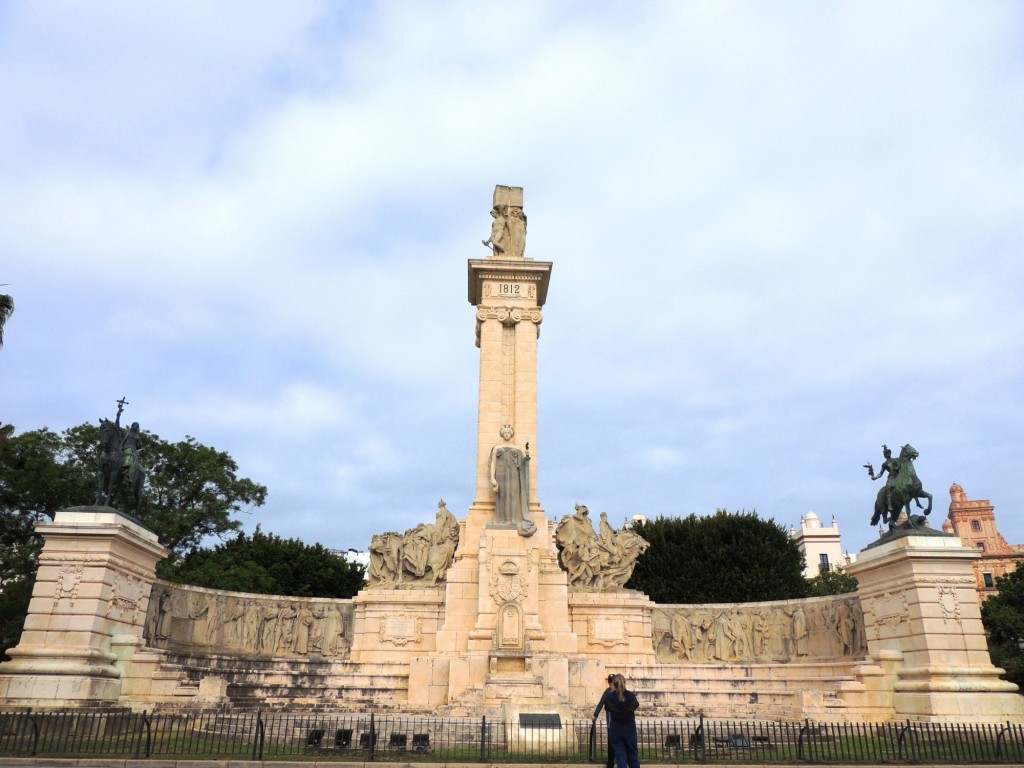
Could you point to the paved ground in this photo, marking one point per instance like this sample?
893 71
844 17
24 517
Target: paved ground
92 762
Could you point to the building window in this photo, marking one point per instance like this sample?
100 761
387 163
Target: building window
989 581
823 563
981 546
975 525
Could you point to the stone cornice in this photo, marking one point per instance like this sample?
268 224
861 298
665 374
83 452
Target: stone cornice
520 271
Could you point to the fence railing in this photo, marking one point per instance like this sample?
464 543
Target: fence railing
269 736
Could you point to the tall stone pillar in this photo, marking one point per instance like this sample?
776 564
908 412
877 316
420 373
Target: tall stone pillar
95 575
508 292
507 637
922 619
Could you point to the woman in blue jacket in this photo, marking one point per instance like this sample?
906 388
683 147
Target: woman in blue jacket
621 706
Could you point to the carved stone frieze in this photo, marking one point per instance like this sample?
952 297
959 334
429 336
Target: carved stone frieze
188 619
769 632
104 561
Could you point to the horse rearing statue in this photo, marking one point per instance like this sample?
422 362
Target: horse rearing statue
904 487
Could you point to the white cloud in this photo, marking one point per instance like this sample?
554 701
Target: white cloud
781 237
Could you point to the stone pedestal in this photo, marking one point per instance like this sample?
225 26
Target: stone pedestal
506 634
920 606
392 625
96 571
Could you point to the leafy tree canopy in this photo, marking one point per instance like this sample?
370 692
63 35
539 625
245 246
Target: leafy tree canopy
722 558
270 565
1003 617
831 582
193 492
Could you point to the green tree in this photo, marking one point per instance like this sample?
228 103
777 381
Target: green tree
270 565
193 492
6 310
721 558
1003 617
831 582
19 553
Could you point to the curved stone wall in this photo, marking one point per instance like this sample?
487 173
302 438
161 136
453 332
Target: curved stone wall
195 620
814 629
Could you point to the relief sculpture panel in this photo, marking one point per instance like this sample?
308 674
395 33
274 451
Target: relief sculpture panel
190 619
809 630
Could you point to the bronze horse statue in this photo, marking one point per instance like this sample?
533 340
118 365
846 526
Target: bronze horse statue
902 488
136 481
111 462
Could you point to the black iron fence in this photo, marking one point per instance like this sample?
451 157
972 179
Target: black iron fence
259 736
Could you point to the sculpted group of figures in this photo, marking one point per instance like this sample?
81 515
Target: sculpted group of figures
596 561
184 619
417 558
794 632
508 232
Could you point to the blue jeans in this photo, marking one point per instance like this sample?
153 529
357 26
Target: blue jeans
624 746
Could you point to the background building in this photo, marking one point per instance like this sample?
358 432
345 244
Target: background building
974 522
820 546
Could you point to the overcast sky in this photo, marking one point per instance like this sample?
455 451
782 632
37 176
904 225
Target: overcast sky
782 235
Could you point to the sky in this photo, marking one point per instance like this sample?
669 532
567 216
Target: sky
781 234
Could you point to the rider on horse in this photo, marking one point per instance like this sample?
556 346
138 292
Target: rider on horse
901 487
890 466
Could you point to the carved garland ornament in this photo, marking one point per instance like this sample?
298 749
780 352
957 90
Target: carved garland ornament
68 581
949 604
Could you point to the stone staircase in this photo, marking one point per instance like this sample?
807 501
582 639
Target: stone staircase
753 691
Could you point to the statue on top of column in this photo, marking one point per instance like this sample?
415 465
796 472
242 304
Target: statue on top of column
508 230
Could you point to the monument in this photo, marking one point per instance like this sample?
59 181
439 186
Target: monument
96 570
921 609
505 612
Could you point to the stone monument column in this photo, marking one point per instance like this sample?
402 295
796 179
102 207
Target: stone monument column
508 290
507 637
96 571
